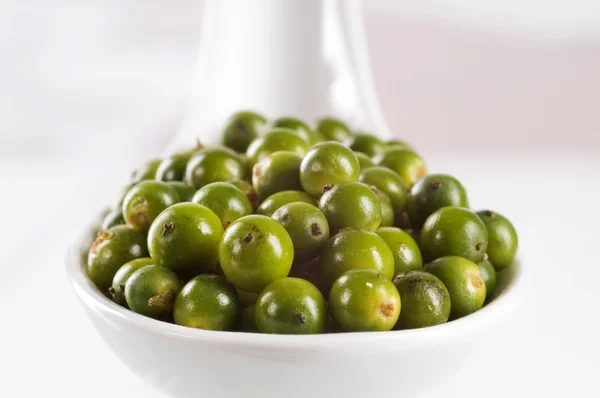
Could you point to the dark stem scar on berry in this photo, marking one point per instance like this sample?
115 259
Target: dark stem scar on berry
436 185
386 309
412 284
478 246
248 238
257 233
316 229
301 318
168 228
378 275
373 188
164 299
477 281
326 188
489 213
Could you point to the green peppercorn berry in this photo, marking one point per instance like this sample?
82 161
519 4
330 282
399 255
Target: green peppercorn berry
241 129
364 300
326 164
333 129
214 165
502 239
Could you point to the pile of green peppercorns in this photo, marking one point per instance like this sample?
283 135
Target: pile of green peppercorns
291 229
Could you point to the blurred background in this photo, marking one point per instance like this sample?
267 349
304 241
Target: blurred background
503 94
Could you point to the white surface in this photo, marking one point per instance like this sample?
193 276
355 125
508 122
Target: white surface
523 110
556 18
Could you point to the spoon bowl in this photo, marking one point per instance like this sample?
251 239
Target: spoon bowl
186 362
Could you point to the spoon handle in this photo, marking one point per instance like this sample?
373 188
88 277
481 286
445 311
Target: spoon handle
303 58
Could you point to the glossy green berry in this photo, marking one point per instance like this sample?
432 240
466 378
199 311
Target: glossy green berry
365 143
355 249
406 252
185 191
111 249
364 300
185 238
227 201
406 163
214 165
387 182
488 274
502 239
327 164
291 306
292 123
173 167
307 227
117 290
112 219
145 201
146 172
463 280
275 201
454 231
351 205
207 302
277 139
241 129
433 192
255 251
425 300
364 161
276 172
151 291
333 129
248 190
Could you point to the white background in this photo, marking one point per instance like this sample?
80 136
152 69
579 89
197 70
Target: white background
505 96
